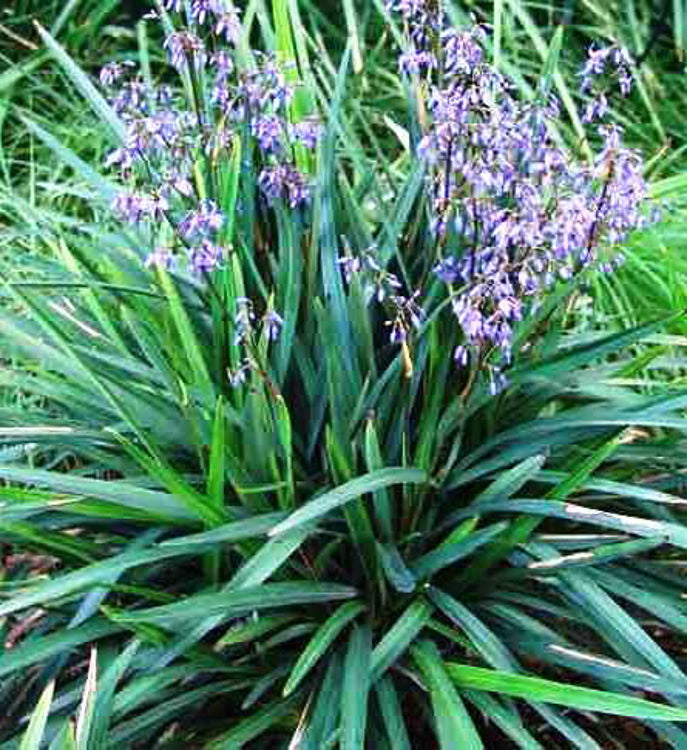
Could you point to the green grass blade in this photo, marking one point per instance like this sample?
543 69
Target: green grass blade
35 650
399 637
188 337
64 739
84 85
104 700
325 503
106 189
492 650
84 718
453 723
395 569
253 726
446 554
158 504
327 706
320 642
236 603
356 688
391 714
571 696
505 718
33 737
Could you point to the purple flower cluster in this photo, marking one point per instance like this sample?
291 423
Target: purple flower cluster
224 23
185 48
406 315
513 210
205 257
244 321
136 207
160 258
113 71
166 134
285 182
261 97
403 312
614 61
202 221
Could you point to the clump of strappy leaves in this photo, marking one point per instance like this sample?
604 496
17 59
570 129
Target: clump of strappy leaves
268 528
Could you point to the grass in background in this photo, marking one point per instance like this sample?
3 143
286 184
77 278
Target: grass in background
535 564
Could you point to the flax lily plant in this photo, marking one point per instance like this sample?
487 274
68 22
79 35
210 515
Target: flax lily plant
305 448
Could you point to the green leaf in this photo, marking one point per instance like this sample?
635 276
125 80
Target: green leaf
151 723
83 83
33 736
381 501
55 542
498 32
325 222
252 630
14 73
104 187
612 487
573 359
235 603
187 335
285 435
289 284
215 482
37 649
320 642
401 634
571 696
522 529
446 554
268 559
156 466
490 648
550 65
603 553
356 688
615 625
511 481
257 568
327 698
610 671
64 738
102 572
104 698
155 503
391 714
230 532
351 490
264 684
453 723
671 532
231 190
397 572
85 716
505 718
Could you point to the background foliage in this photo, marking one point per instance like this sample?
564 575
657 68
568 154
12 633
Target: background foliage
340 551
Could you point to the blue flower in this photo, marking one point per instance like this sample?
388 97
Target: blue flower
204 220
307 132
273 323
268 129
205 257
284 182
184 47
